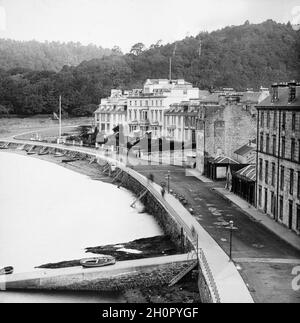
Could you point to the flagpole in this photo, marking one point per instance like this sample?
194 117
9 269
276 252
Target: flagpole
170 72
59 117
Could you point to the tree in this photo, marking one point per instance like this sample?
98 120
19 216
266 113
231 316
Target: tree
137 49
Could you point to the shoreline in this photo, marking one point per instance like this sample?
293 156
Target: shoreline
185 291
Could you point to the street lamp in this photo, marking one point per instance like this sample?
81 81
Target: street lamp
231 230
169 175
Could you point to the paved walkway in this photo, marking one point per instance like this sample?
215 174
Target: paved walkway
281 231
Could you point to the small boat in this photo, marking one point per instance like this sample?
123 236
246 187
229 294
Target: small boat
59 155
31 153
6 270
43 153
98 261
70 160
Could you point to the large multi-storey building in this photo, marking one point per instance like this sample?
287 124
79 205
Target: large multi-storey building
146 107
278 155
112 112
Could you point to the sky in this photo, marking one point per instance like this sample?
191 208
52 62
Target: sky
125 22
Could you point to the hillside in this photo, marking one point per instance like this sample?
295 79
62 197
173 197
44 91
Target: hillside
51 56
238 56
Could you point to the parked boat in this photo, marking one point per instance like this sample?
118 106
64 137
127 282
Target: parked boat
6 270
70 160
59 155
100 261
44 153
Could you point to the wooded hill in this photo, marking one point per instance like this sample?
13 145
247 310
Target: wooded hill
246 56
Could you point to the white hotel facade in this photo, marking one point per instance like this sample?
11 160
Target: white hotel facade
142 110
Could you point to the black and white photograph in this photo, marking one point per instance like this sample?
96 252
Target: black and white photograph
149 154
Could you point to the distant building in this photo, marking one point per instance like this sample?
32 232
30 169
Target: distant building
146 108
247 153
112 112
278 157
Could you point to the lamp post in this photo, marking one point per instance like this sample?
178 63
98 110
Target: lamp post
169 175
230 240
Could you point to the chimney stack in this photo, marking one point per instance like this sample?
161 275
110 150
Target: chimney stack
274 92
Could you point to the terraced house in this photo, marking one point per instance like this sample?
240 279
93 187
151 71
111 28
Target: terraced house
278 156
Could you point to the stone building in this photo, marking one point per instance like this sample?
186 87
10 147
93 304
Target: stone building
226 122
146 107
112 112
278 156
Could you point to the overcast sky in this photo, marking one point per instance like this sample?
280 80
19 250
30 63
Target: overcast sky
125 22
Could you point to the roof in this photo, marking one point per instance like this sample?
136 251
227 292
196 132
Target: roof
248 173
282 102
224 160
252 97
244 150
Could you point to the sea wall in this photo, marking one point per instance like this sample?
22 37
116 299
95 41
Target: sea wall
104 281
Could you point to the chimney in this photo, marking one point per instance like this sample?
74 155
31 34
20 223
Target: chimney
292 91
274 92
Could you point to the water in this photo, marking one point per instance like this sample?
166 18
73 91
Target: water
51 214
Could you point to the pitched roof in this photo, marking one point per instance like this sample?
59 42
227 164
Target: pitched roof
244 150
282 102
224 160
248 173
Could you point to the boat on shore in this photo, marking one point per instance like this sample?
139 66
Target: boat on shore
6 270
100 261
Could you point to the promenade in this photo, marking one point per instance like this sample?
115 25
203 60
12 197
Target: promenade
224 281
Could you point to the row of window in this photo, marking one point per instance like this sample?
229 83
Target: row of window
281 207
265 118
282 176
146 103
143 115
274 152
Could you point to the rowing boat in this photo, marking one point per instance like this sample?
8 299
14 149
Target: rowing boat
6 270
100 261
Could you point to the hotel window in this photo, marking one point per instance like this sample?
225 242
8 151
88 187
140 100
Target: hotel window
135 115
161 103
293 148
266 171
135 103
298 218
268 119
293 121
272 203
161 116
261 142
275 120
274 145
291 181
262 117
283 120
273 174
146 103
283 147
129 114
130 103
268 144
259 195
260 169
282 178
281 208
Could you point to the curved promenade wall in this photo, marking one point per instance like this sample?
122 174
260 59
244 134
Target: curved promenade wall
219 280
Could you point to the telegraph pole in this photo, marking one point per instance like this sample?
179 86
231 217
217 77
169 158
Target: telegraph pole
59 119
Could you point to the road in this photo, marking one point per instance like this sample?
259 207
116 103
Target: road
265 261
